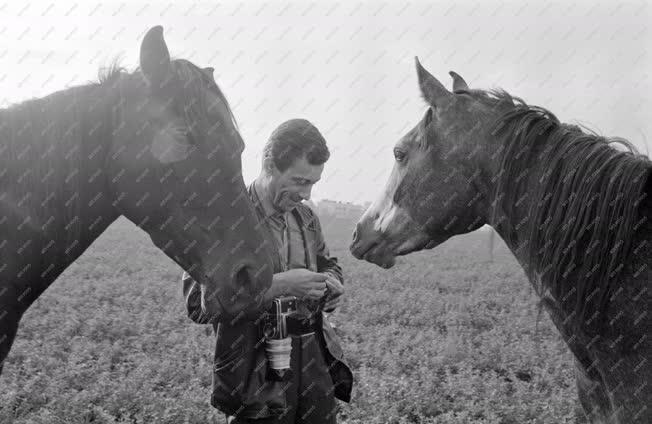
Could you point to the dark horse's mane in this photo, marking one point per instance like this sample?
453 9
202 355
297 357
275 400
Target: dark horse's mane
49 133
584 210
52 107
54 131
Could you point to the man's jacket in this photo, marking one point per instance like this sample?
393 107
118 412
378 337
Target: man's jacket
239 365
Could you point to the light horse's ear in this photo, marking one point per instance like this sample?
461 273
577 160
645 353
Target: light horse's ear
433 92
155 58
458 82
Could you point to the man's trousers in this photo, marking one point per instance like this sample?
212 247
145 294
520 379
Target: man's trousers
310 397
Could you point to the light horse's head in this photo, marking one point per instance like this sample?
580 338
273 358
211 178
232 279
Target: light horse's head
437 186
174 169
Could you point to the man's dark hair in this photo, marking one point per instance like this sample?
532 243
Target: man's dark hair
293 140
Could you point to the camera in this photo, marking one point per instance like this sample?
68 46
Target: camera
288 316
278 343
276 319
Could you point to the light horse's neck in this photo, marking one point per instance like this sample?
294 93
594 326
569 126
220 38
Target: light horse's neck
566 204
574 211
53 192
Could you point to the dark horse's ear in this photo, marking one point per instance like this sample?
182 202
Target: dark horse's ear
209 70
154 57
458 82
433 92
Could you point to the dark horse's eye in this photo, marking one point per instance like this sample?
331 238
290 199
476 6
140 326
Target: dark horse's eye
399 155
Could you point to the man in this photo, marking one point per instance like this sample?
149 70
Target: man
293 161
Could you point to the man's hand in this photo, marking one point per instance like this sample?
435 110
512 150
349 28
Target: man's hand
298 282
335 291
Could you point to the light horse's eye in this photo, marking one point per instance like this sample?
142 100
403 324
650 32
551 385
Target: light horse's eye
399 155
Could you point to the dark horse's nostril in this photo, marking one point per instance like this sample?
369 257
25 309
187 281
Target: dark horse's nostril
243 277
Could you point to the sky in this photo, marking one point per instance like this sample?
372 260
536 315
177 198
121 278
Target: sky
348 66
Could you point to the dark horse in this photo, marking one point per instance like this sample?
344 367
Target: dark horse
159 146
572 208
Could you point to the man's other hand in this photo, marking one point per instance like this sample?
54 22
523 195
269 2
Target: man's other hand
335 292
301 283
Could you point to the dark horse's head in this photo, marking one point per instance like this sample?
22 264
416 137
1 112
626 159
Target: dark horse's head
174 169
431 194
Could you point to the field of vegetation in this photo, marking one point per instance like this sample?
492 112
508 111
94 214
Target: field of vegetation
446 336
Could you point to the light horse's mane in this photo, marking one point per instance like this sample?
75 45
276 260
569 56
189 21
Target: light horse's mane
584 210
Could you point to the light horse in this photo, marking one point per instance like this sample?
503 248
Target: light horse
572 209
159 146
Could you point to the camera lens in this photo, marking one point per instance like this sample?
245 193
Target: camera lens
268 331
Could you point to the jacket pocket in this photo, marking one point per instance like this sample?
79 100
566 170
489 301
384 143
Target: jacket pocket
262 393
230 370
240 386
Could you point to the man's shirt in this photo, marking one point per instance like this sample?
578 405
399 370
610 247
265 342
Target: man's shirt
286 231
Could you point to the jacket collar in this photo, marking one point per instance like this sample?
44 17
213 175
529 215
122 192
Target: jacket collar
264 203
262 200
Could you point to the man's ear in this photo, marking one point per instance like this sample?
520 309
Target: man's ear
268 165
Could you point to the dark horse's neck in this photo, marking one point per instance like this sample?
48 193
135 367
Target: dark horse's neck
53 195
570 207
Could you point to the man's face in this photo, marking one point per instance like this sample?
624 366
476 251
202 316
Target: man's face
289 188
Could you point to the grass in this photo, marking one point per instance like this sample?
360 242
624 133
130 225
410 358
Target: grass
446 336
